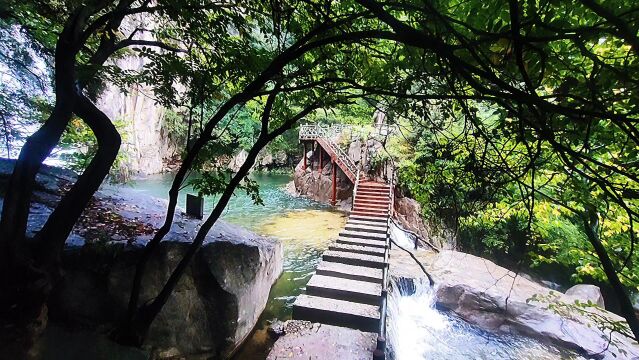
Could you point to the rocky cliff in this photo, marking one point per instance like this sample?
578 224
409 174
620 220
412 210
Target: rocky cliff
266 160
408 213
317 183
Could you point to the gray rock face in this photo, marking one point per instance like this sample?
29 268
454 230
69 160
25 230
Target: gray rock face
213 309
237 160
355 151
409 213
147 143
266 160
587 292
317 185
499 300
215 305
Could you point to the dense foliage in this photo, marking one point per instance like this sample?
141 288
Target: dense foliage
518 119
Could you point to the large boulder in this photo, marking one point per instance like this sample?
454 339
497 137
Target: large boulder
497 299
216 303
587 292
214 307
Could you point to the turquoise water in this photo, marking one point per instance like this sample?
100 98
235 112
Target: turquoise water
240 210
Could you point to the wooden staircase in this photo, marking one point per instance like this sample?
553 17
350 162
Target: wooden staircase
348 287
325 137
339 157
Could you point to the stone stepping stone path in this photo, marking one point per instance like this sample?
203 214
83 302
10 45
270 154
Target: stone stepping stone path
346 289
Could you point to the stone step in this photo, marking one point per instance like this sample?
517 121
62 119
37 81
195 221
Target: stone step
371 205
368 212
354 259
377 224
352 272
373 186
363 242
371 192
365 207
378 219
342 313
359 211
361 190
372 195
344 289
370 199
373 200
363 235
358 249
368 228
373 189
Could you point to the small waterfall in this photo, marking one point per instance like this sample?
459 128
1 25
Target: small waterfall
413 319
401 237
418 330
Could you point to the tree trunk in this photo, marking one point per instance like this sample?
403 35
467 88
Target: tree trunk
51 239
293 52
627 310
136 326
24 286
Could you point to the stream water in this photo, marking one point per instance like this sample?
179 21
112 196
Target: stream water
418 330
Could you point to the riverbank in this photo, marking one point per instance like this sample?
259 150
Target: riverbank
304 227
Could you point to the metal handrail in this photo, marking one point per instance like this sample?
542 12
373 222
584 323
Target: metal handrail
314 131
381 338
329 134
355 189
346 159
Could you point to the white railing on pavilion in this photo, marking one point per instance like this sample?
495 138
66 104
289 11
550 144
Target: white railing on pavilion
312 132
328 136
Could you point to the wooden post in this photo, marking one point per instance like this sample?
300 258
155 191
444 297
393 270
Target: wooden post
320 159
334 183
304 156
314 146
